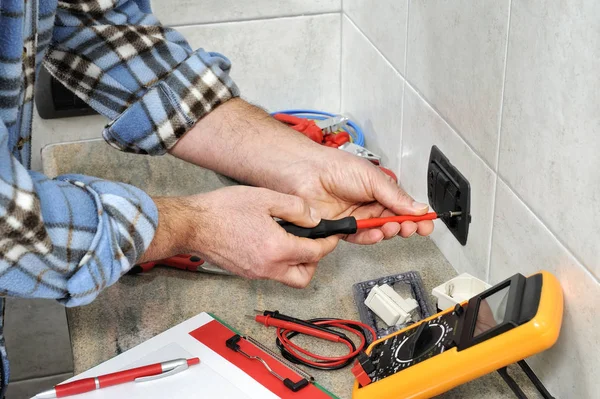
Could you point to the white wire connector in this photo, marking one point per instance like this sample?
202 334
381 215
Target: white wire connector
389 305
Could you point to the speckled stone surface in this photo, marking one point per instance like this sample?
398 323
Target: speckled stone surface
140 307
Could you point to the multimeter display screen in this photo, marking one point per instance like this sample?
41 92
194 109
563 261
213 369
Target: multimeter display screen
492 311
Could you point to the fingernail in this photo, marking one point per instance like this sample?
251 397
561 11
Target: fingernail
314 215
419 206
413 233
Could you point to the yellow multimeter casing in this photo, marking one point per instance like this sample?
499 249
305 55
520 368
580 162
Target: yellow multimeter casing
526 316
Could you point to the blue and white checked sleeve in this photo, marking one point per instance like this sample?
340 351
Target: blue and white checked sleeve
67 238
116 56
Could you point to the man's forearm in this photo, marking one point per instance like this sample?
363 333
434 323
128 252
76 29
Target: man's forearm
242 141
173 230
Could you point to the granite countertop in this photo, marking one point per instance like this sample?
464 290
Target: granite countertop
140 307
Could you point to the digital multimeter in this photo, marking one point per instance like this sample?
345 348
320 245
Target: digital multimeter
513 320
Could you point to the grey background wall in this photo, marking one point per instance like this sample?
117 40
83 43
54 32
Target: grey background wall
508 89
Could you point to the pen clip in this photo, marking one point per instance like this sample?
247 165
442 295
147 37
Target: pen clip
176 370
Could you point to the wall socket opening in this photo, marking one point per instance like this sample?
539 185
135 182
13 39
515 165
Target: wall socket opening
448 190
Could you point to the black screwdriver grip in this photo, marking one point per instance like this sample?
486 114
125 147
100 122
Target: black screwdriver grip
324 229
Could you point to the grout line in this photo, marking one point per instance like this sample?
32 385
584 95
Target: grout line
401 150
377 50
341 58
488 272
451 125
452 128
407 81
257 19
552 233
495 196
406 39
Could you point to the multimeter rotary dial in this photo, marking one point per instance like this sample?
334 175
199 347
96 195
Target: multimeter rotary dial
418 344
426 339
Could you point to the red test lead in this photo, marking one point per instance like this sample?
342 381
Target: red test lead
324 328
139 374
299 328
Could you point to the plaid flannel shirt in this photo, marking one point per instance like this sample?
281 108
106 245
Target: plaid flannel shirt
70 237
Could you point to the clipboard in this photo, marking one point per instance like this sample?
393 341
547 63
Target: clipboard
222 373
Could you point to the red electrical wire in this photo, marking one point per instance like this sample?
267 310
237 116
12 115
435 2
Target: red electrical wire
326 361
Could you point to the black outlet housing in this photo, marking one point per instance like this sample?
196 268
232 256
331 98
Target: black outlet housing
448 190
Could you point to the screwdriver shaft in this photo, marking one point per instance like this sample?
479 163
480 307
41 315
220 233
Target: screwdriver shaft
378 222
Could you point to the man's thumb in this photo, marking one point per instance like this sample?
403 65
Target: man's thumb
390 195
294 210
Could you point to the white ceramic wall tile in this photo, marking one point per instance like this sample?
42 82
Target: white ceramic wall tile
183 12
372 94
455 57
384 23
423 128
549 141
49 131
280 63
522 244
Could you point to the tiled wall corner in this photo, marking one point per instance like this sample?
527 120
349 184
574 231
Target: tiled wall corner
508 90
377 20
455 58
422 128
279 63
188 12
371 94
549 142
522 244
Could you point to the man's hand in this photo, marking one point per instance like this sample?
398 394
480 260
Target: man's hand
243 142
234 228
339 184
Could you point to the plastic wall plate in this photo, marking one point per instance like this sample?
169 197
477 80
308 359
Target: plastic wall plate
449 190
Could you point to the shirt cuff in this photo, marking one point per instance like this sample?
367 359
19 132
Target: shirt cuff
164 113
126 222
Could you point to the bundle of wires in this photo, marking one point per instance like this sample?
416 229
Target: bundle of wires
351 128
321 328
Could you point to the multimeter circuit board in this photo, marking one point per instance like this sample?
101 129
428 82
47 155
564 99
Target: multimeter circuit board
406 349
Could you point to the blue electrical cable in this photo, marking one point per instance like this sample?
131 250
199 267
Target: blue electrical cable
357 134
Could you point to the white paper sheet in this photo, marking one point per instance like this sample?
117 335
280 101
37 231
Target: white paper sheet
214 377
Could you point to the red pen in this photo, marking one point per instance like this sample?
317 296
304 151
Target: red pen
139 374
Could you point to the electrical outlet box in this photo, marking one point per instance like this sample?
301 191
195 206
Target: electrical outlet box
53 100
449 190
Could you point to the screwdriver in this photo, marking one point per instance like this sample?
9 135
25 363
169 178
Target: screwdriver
349 225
